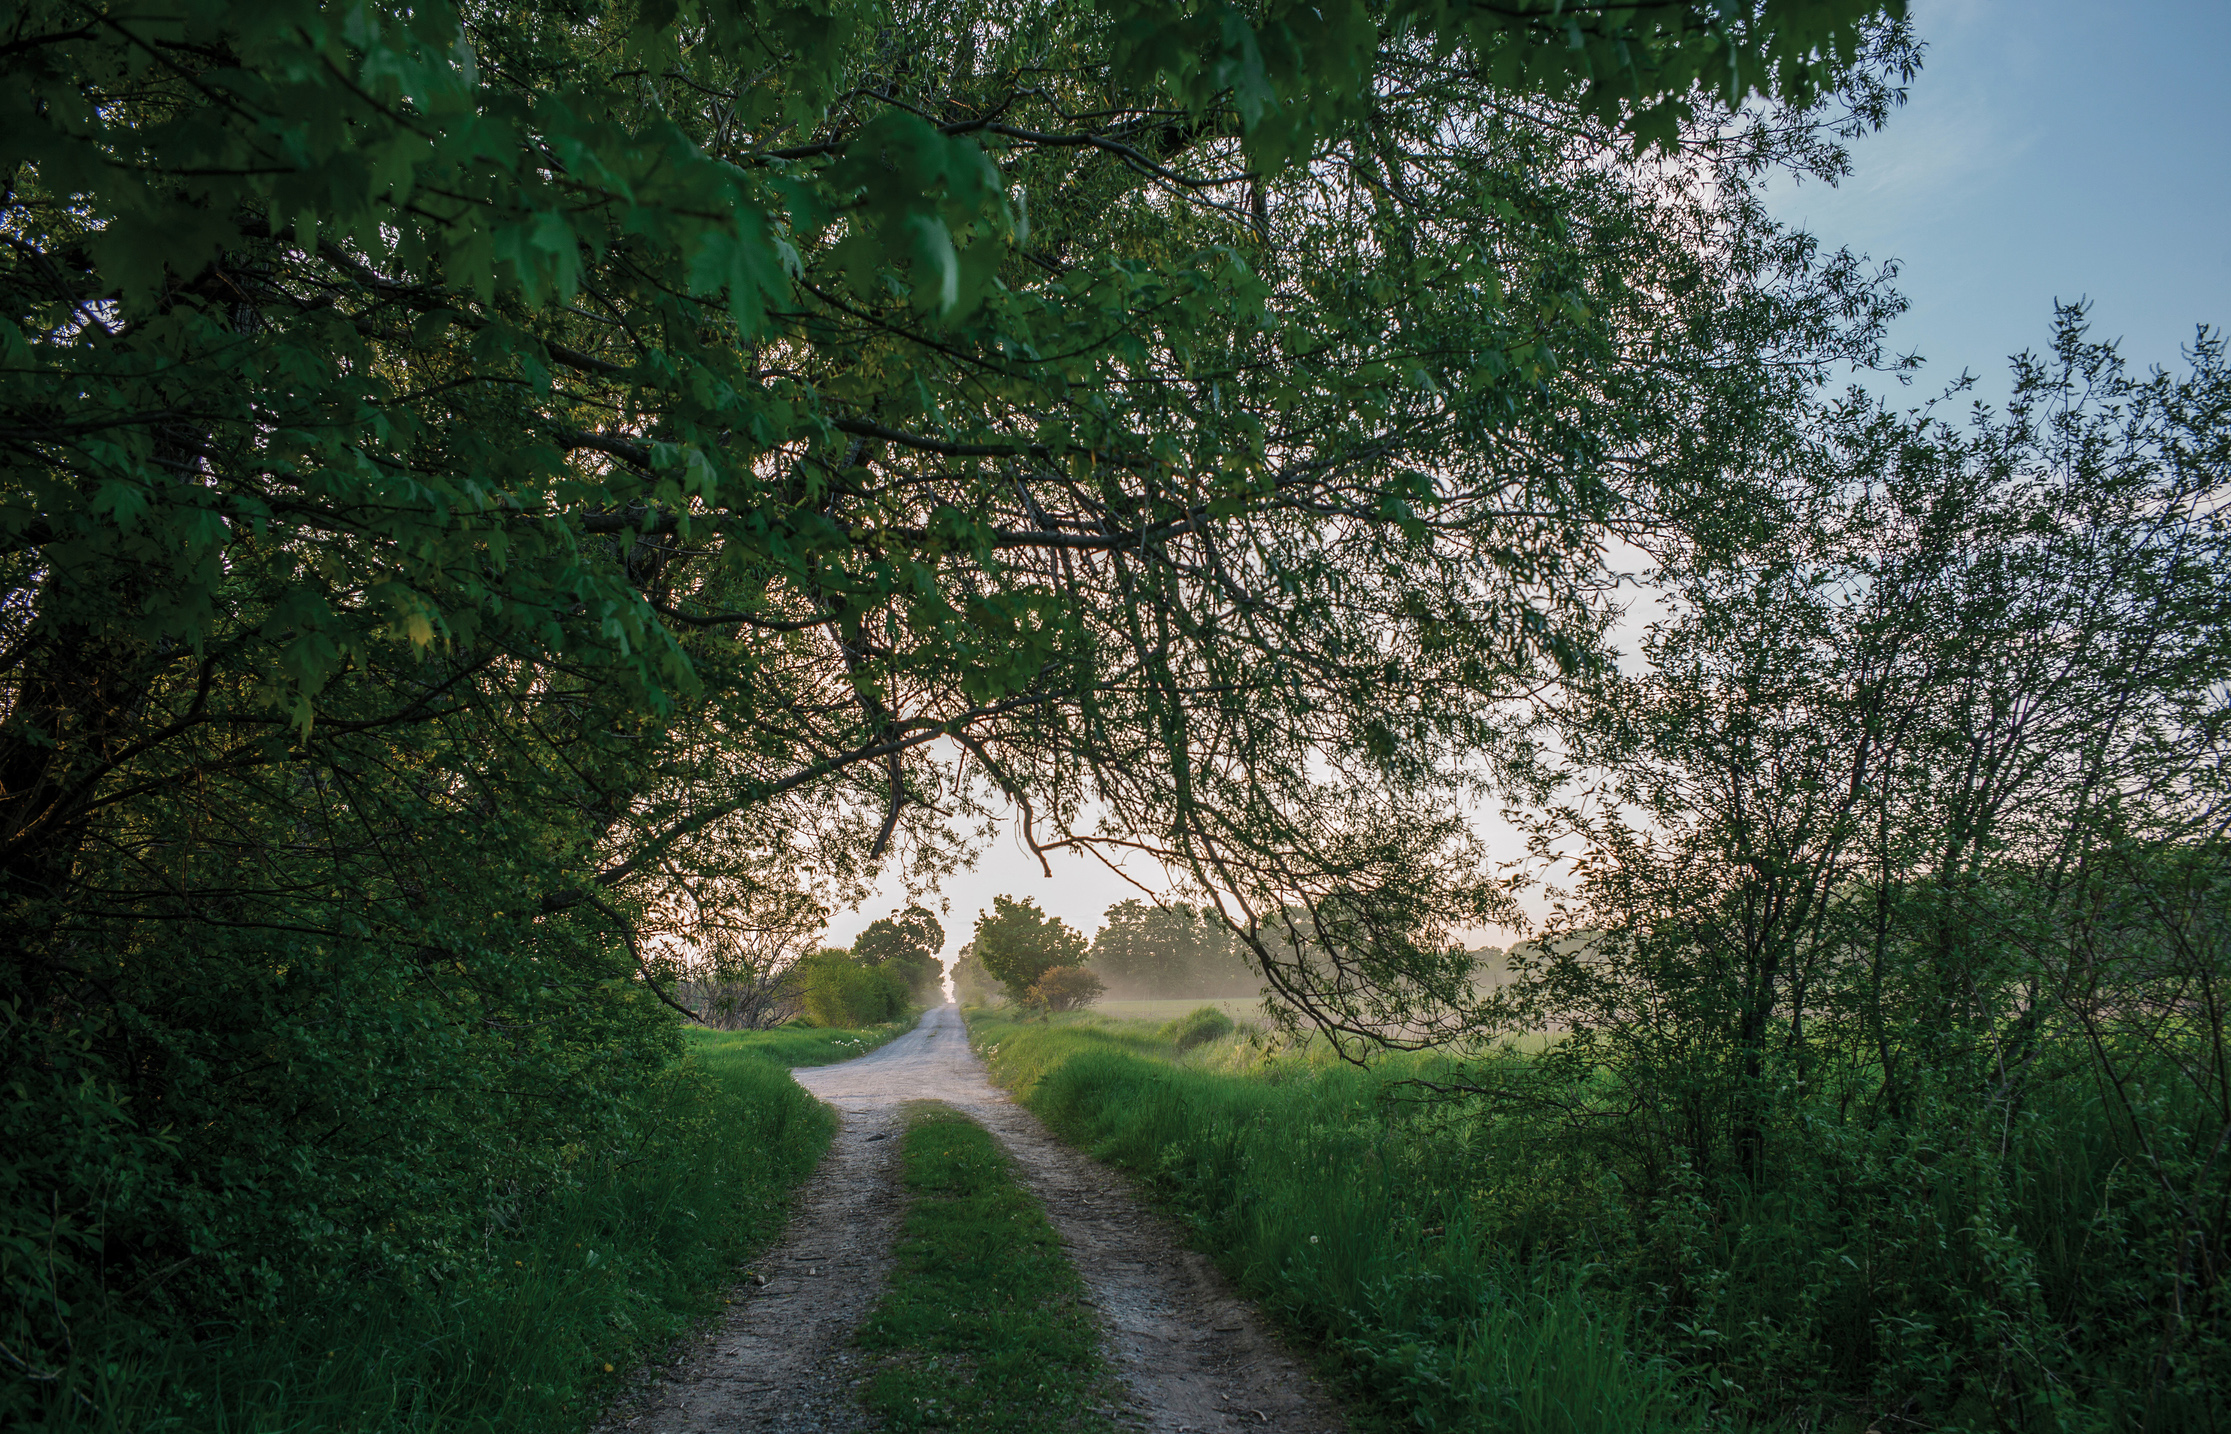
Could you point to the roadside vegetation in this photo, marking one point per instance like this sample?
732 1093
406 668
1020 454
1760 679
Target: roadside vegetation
558 1288
1486 1266
513 513
1362 1226
983 1325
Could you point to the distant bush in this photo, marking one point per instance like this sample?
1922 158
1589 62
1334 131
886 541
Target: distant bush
837 990
1066 988
1198 1028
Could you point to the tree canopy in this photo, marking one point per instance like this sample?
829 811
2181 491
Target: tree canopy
908 942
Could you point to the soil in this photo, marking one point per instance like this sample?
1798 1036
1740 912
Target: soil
1191 1356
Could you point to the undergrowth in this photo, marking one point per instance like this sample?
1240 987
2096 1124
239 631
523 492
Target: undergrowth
982 1327
1291 1175
571 1282
1487 1264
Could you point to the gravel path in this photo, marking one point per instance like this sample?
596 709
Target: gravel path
1192 1357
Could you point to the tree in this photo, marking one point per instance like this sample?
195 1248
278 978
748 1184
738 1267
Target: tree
1165 952
1017 944
1910 836
908 943
971 985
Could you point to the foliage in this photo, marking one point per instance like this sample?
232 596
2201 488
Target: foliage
1017 945
504 505
571 1282
1158 952
1064 988
983 1325
835 989
1900 942
1364 1228
907 942
972 986
1197 1028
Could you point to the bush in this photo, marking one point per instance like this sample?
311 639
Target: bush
838 990
1066 988
1198 1028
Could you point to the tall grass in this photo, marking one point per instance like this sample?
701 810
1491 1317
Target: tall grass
574 1282
1517 1262
1349 1220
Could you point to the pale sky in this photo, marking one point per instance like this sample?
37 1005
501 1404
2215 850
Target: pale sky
2050 149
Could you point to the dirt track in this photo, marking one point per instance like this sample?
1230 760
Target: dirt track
1190 1355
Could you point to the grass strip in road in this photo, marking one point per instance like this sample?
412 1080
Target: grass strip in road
984 1325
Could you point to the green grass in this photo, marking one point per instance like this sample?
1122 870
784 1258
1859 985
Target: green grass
983 1325
576 1282
1351 1220
1239 1008
789 1046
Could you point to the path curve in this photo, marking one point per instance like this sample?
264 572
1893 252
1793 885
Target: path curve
1192 1357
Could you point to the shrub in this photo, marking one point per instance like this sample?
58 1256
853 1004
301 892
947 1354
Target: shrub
1197 1028
1066 988
837 990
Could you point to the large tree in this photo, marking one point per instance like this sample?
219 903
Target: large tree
908 942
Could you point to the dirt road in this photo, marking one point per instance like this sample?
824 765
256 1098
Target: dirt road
1190 1355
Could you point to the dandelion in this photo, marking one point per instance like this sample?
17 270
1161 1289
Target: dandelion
608 1369
1312 1239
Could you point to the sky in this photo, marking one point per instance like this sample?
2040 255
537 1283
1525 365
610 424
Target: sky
2049 150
